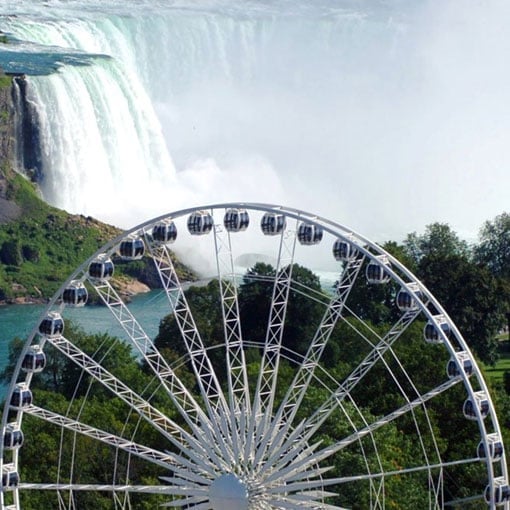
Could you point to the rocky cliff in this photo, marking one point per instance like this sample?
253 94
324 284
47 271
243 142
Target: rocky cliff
9 209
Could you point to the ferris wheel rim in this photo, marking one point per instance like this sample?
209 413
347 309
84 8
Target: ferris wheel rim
366 247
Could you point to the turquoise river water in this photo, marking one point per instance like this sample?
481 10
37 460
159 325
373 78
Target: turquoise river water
20 320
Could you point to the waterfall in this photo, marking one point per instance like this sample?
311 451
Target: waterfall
211 87
354 111
102 149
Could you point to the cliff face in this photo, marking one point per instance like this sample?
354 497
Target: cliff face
6 120
9 210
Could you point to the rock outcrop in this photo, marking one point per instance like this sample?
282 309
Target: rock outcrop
9 210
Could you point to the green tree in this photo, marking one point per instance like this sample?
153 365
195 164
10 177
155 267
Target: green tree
372 302
205 307
493 250
401 253
10 253
470 295
302 315
438 240
255 294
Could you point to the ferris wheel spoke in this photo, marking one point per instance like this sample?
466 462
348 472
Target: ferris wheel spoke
195 503
190 503
409 406
291 464
133 489
304 500
188 407
345 388
268 372
207 380
176 463
173 432
237 376
397 473
296 489
299 386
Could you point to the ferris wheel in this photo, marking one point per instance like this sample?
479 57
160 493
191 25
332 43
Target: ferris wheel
269 384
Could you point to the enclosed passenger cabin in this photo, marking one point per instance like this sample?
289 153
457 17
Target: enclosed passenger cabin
200 223
10 477
132 248
34 360
501 492
75 294
21 396
495 448
343 251
164 232
480 402
273 223
101 268
376 271
236 220
431 331
407 297
13 436
462 361
309 233
52 326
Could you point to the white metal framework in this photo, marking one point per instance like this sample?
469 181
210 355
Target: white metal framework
256 420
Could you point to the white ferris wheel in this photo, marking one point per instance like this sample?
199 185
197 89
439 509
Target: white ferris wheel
253 416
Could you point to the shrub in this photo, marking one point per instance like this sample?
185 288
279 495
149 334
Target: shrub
10 253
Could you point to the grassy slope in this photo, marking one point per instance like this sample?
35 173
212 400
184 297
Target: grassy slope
39 250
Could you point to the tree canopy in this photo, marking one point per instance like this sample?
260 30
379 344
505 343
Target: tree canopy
493 250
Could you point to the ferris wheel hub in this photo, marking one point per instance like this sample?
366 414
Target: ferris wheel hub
228 492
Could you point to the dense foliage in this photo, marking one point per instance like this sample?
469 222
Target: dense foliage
39 250
472 292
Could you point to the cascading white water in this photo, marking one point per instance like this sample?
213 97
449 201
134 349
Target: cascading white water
357 111
103 149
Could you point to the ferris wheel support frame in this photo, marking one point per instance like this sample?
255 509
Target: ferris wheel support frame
263 431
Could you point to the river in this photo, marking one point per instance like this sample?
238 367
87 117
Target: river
19 320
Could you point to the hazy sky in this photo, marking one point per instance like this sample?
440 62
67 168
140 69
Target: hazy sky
389 120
